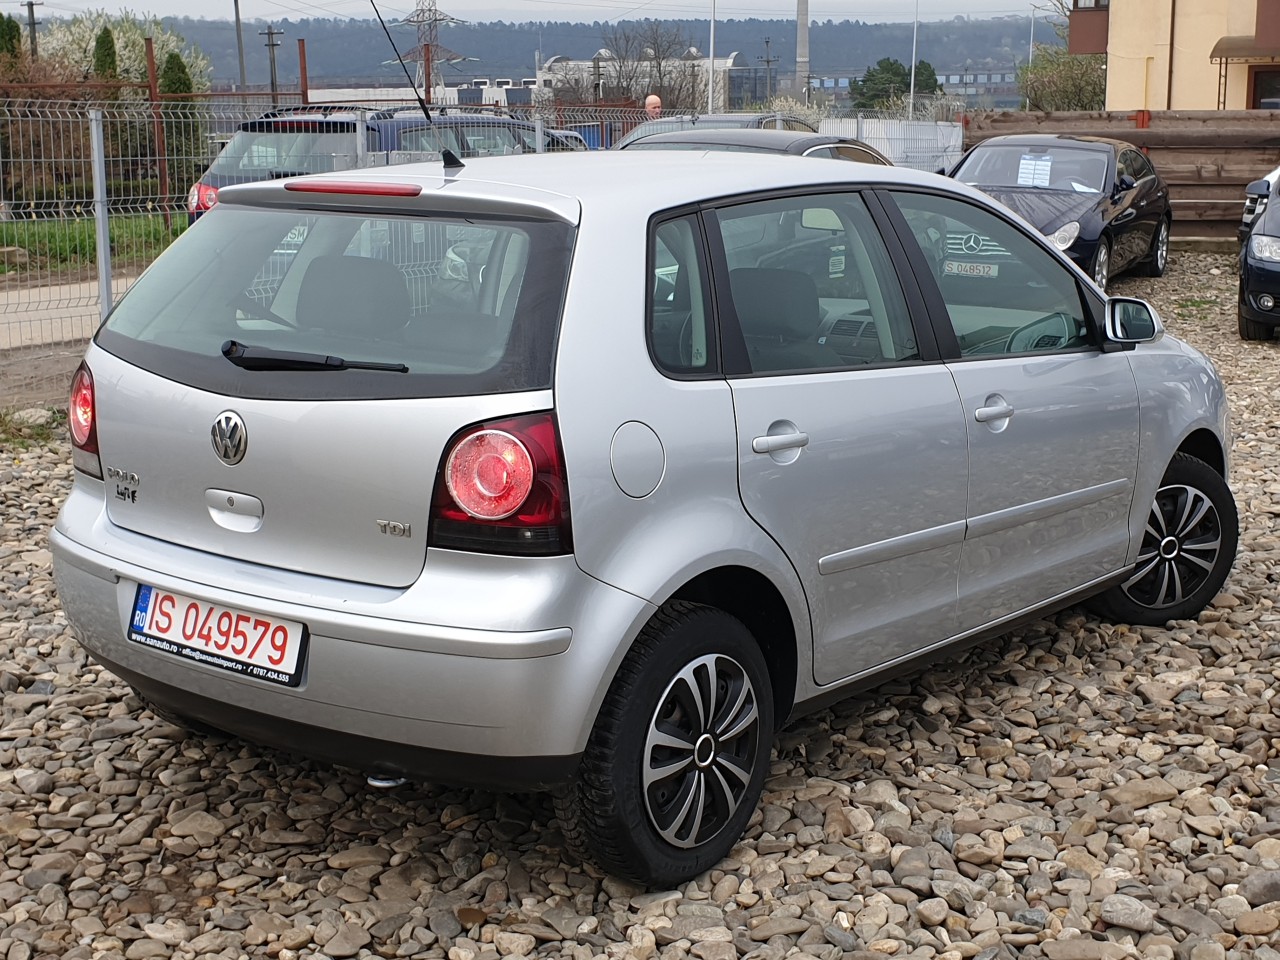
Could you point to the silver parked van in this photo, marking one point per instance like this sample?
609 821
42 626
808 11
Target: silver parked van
503 475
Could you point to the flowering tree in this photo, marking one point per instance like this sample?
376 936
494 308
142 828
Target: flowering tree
73 41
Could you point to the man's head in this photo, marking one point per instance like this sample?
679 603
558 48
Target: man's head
653 106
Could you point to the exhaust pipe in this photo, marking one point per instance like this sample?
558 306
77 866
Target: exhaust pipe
385 783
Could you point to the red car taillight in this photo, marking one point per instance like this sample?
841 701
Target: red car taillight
83 420
201 197
501 489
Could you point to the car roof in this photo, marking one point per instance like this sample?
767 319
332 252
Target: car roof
563 184
779 140
1048 139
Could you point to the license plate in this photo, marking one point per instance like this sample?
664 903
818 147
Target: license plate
958 268
250 644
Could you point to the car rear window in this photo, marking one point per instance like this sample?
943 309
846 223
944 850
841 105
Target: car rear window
469 305
288 151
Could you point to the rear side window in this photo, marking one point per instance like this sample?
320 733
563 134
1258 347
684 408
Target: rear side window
468 305
681 336
812 285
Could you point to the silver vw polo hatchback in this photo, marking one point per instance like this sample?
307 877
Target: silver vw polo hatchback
507 475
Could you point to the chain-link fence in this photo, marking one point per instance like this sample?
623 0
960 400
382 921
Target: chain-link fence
92 192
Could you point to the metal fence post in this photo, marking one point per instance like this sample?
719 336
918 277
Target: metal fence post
102 223
540 134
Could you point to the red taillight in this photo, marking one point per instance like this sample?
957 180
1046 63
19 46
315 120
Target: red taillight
502 489
83 430
489 474
201 198
83 420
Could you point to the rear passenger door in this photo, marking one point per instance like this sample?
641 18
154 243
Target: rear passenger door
851 441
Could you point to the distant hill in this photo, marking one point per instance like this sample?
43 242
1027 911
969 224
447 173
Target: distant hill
356 50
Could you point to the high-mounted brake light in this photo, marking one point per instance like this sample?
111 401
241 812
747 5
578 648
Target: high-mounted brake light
355 187
501 489
82 417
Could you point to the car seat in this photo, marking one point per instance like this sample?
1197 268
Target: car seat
779 314
354 297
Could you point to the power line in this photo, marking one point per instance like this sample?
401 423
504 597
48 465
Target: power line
271 33
32 22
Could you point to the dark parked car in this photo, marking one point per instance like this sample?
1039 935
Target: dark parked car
1099 201
293 143
753 140
717 121
1259 309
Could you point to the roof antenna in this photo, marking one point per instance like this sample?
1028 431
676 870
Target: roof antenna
451 161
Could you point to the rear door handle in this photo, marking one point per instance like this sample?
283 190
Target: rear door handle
785 441
999 411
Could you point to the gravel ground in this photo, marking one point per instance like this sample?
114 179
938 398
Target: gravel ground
1076 790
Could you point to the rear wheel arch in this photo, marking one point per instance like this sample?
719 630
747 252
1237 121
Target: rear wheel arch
753 598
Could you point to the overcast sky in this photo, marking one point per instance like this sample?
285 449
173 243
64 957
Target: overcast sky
525 10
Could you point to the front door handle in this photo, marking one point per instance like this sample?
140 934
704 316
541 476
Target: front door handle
784 441
998 411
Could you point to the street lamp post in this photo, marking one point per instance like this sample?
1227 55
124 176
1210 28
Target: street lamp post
911 96
711 63
1031 52
240 45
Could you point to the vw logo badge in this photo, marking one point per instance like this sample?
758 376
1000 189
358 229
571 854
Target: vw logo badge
230 441
971 243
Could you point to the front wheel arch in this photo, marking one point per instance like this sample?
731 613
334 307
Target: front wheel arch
1188 546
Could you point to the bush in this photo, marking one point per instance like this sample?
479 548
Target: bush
135 240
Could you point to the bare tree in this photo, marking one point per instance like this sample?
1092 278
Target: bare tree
1058 80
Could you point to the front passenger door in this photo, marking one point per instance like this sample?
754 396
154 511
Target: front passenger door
1051 420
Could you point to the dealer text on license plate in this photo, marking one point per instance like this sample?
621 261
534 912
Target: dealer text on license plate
958 268
247 643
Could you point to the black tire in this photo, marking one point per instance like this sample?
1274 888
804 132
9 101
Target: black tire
1253 330
1157 259
608 815
1186 552
1100 265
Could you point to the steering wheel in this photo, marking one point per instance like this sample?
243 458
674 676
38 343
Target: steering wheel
1051 332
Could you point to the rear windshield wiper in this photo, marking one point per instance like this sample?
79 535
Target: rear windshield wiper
263 358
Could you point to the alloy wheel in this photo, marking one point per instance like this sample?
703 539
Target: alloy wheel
700 750
1102 265
1180 548
1162 246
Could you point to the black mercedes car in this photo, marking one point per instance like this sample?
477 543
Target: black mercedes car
801 143
1100 201
1259 309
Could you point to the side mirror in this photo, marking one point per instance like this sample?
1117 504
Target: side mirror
1125 183
1259 188
1131 321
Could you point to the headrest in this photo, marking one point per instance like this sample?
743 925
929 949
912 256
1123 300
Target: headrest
353 296
780 304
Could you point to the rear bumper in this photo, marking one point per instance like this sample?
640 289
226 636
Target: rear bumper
368 755
384 692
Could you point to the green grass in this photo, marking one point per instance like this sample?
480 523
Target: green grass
136 239
1195 303
21 436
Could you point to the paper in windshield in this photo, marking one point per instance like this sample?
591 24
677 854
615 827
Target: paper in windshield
1033 170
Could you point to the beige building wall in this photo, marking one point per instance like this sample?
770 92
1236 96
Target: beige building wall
1138 54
